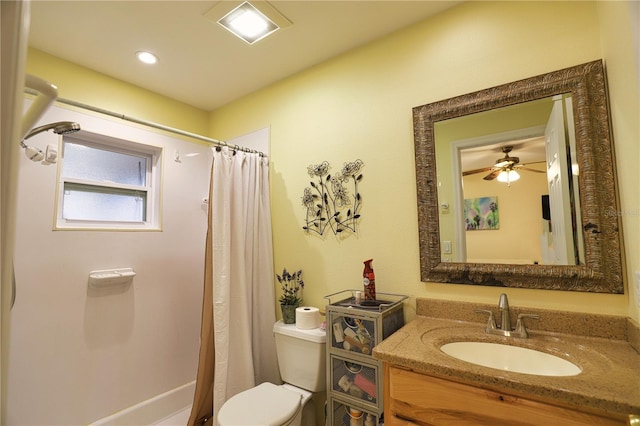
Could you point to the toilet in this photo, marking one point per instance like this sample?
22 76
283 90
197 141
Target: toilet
301 358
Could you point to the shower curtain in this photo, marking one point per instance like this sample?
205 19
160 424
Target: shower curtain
237 349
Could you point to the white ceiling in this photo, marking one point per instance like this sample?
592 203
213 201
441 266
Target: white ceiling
202 64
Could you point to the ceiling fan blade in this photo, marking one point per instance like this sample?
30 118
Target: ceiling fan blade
491 176
533 162
532 170
472 172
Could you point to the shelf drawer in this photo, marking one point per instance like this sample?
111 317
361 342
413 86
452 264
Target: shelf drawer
343 414
353 330
353 333
356 380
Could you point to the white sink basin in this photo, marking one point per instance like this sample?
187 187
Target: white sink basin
511 358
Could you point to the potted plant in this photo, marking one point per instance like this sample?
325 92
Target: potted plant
292 285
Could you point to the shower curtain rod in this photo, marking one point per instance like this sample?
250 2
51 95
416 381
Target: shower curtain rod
216 142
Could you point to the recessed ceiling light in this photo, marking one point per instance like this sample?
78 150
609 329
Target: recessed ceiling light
147 57
248 23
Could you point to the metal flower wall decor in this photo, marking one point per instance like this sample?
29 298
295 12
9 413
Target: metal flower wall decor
328 203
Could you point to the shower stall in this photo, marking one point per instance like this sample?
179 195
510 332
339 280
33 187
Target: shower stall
83 354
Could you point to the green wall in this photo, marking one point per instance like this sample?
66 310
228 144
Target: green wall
359 105
99 90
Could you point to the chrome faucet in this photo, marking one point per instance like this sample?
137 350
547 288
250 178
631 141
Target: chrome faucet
505 318
505 321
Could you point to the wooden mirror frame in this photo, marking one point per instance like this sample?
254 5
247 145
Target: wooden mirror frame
603 269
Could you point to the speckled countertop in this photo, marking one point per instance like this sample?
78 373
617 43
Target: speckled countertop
610 378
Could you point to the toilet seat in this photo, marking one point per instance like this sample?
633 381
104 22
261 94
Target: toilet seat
265 404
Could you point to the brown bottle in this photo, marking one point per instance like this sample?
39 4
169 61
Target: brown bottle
369 279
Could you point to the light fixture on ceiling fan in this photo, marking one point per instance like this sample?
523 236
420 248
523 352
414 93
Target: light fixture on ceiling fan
504 169
508 176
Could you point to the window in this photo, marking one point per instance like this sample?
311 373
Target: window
108 183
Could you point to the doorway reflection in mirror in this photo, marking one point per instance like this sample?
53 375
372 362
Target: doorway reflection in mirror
530 147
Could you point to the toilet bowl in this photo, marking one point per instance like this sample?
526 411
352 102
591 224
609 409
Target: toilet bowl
301 359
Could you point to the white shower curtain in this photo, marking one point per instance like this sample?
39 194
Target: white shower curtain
243 275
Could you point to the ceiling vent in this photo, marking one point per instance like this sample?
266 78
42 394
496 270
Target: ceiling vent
247 21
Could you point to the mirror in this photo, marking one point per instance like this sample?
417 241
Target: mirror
586 222
481 158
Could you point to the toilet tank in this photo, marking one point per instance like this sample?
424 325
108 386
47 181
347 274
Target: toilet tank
301 356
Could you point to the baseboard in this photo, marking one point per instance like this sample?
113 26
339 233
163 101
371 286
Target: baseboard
153 409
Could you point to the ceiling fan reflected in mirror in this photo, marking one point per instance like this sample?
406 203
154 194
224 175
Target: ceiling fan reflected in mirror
505 168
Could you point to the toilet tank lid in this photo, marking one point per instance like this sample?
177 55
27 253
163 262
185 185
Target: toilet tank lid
317 335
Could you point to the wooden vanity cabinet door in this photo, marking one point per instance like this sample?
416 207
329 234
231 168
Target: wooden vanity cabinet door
418 399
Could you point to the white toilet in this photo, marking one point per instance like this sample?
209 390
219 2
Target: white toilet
301 358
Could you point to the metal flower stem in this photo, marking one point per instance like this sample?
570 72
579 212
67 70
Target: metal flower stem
330 216
319 220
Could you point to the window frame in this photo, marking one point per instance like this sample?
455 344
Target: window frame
152 187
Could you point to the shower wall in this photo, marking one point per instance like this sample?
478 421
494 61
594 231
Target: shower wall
78 355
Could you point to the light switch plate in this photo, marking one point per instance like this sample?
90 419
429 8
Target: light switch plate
446 247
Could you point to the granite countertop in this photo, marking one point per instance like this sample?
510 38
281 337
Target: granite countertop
609 381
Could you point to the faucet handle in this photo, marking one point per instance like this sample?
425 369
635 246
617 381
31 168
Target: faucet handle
520 327
491 323
532 316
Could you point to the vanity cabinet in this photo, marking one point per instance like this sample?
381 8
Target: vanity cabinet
415 398
354 378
